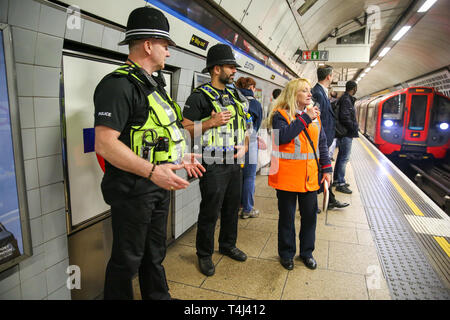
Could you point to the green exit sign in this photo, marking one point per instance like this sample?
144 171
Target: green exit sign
315 55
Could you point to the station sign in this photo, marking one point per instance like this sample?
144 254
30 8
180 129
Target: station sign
198 42
314 55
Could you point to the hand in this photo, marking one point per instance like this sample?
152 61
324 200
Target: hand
241 150
192 166
326 176
313 112
221 118
261 144
164 176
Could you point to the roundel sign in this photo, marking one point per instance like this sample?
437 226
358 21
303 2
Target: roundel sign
101 162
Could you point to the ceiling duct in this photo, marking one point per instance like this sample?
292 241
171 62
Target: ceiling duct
306 6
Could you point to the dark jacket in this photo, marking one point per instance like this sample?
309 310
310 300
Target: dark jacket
287 132
255 108
327 115
347 115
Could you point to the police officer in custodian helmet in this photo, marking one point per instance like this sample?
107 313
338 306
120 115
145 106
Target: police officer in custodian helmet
138 133
216 115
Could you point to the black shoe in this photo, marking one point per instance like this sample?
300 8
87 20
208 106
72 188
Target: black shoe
344 189
337 204
319 211
287 264
206 266
234 253
335 184
309 262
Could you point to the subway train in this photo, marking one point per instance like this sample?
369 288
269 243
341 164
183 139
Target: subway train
410 123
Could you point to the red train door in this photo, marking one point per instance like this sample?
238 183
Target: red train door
417 117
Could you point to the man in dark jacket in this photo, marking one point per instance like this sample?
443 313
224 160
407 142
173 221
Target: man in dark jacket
347 117
327 116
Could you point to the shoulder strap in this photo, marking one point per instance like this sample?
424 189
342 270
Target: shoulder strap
314 149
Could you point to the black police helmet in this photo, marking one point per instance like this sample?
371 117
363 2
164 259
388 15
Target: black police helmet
219 55
146 23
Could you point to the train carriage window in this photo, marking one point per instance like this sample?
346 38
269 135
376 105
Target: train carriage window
418 112
441 110
393 107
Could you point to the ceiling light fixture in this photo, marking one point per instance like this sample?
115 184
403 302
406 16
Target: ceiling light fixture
384 51
367 69
374 63
401 33
427 5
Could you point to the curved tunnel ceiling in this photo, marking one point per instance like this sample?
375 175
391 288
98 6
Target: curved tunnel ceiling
278 25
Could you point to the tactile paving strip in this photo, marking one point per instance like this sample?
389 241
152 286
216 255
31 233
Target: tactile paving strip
407 270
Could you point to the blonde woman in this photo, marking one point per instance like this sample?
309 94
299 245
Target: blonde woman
294 170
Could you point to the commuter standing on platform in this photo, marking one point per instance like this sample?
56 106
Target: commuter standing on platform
327 116
347 117
247 88
215 114
294 171
133 118
333 100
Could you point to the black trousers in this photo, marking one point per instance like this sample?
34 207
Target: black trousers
220 187
307 202
139 227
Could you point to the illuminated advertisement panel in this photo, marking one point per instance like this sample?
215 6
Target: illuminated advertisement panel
14 232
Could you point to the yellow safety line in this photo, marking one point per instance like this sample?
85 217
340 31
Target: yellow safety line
440 240
400 190
444 244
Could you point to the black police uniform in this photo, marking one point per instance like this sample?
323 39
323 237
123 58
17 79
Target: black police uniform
139 208
220 187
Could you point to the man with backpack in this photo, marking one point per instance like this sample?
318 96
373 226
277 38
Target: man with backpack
346 129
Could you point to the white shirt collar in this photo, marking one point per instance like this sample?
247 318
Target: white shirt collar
324 88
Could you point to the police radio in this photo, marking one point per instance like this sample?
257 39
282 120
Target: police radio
156 144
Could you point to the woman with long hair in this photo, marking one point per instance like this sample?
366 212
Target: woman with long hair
299 154
247 86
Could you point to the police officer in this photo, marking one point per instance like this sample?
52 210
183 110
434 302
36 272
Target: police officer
137 132
215 115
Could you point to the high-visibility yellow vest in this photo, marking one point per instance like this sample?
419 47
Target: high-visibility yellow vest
165 139
227 136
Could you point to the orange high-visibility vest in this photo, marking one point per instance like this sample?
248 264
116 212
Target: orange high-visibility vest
293 166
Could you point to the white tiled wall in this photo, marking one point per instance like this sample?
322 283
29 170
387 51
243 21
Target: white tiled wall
38 32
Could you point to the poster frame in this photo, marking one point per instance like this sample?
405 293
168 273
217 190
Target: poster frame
11 80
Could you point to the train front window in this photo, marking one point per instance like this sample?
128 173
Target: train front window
418 112
393 107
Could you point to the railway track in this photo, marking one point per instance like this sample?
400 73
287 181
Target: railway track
435 182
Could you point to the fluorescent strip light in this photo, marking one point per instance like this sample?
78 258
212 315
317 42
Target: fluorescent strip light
362 74
384 51
374 63
427 5
367 69
401 33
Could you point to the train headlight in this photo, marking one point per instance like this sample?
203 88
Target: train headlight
388 123
443 126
